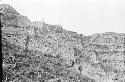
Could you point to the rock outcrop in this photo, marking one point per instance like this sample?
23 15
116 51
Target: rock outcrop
40 52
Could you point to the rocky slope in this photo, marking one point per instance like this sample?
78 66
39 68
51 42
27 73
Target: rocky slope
40 52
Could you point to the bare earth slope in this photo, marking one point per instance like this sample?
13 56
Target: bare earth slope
40 52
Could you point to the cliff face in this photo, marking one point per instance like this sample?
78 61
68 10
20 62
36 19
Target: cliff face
40 52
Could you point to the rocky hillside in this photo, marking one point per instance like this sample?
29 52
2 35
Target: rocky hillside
40 52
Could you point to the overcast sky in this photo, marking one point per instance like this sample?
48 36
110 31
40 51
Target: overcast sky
82 16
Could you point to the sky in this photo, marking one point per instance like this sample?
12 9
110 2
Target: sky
82 16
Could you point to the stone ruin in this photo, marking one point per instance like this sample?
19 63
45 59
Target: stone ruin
40 52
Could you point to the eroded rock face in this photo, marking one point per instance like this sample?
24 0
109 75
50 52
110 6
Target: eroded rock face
40 52
10 17
5 8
